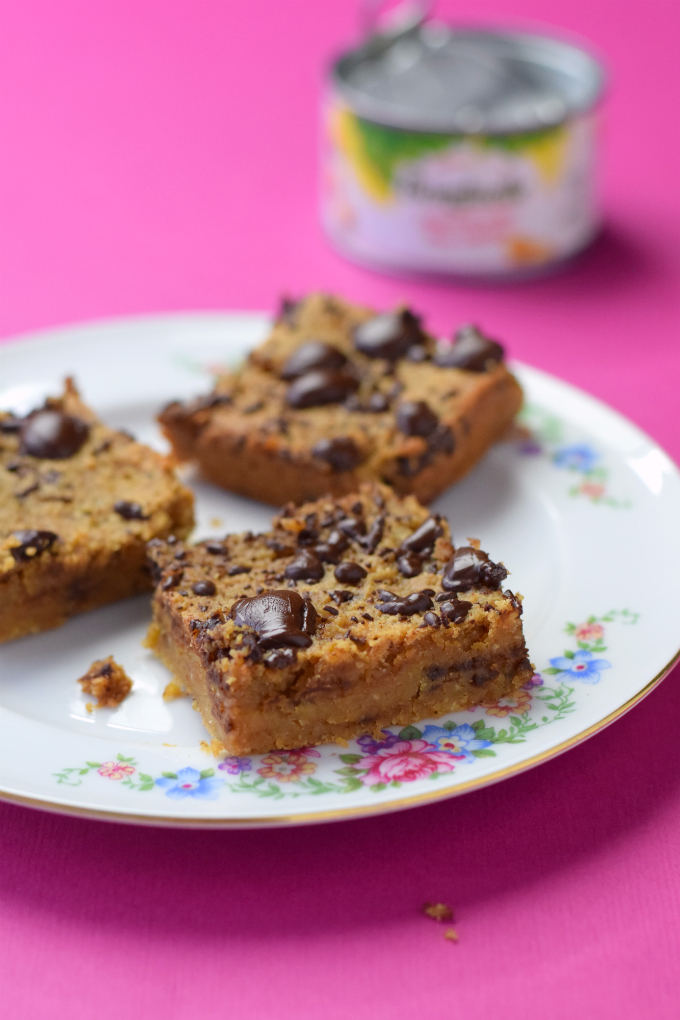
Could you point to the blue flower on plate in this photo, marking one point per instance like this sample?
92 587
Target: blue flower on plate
233 765
370 746
459 742
189 782
579 457
582 667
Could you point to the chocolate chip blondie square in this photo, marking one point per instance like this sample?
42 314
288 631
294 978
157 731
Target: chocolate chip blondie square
350 615
338 396
78 503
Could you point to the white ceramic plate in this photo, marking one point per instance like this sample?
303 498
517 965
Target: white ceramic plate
584 514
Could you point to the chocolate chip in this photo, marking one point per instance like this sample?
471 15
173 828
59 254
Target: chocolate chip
367 616
454 610
416 603
311 356
52 435
181 554
288 311
280 618
339 596
355 527
410 564
416 353
515 602
470 568
130 511
386 596
442 440
172 580
322 386
305 567
203 588
341 453
280 659
307 536
172 540
32 544
349 573
374 536
427 591
238 568
415 418
215 548
389 336
431 620
331 610
470 350
423 537
354 619
358 508
332 549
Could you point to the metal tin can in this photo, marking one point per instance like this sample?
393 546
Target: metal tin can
461 151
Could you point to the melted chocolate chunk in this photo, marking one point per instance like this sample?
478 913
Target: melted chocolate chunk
431 620
322 386
215 548
339 596
416 603
332 549
341 453
415 418
288 311
378 403
410 564
424 537
372 540
472 568
470 350
514 601
130 511
355 527
307 536
386 596
389 336
52 435
33 543
442 440
172 580
349 573
238 568
280 618
454 610
280 659
203 588
311 356
305 567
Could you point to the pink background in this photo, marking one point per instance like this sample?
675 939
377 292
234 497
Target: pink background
161 156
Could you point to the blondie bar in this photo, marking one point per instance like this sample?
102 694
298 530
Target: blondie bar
337 396
78 503
350 615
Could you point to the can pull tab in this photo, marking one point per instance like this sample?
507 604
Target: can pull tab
390 20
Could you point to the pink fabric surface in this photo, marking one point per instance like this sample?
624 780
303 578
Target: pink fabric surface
160 156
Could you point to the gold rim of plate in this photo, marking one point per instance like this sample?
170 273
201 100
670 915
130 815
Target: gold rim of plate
343 814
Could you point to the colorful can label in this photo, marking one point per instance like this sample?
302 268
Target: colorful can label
478 205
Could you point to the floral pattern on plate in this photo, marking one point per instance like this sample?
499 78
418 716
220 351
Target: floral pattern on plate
394 758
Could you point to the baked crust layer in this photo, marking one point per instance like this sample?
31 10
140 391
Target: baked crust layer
365 666
89 554
247 437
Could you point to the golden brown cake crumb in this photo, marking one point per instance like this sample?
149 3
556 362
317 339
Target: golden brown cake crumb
451 935
173 690
337 396
350 615
438 911
106 681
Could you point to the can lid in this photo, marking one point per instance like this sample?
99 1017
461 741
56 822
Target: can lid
433 77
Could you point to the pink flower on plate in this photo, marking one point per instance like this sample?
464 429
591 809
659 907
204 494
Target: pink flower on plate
405 762
115 769
512 704
589 632
592 489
